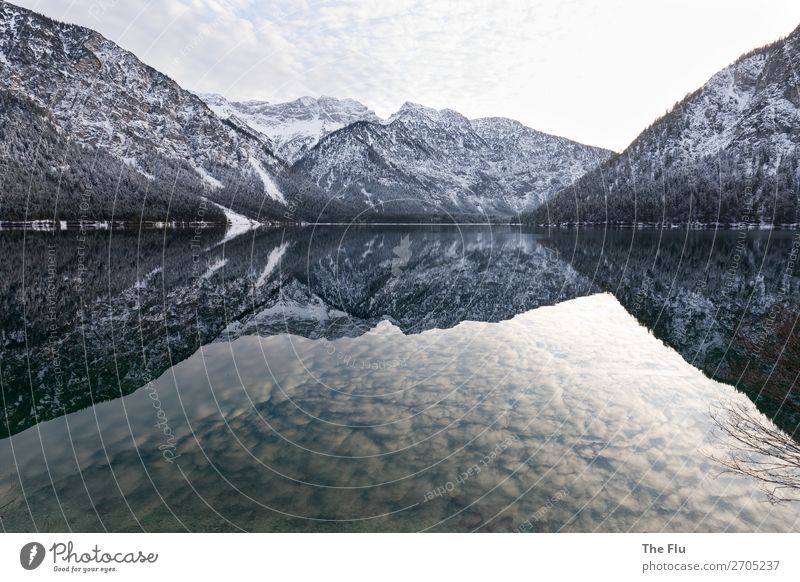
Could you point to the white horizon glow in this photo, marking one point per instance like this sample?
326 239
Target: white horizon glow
596 72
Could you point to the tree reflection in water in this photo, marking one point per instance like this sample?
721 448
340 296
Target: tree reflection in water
759 449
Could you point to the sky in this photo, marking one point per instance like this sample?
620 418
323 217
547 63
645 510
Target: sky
596 71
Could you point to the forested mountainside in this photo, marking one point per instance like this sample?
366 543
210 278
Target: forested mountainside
43 175
159 150
146 129
423 160
727 153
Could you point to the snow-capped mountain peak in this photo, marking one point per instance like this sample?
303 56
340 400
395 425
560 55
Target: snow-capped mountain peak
414 114
99 96
424 159
295 126
319 154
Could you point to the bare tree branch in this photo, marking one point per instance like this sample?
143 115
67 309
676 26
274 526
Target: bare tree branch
759 449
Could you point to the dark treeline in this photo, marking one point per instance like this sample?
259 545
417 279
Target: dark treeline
45 176
757 187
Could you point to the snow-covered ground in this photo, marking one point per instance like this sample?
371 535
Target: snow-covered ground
270 188
238 224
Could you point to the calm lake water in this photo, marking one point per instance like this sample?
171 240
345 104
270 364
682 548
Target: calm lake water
391 378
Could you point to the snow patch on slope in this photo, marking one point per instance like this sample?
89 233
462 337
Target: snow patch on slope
134 165
273 260
208 179
270 188
238 224
214 267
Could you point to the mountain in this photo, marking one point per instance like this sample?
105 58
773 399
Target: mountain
534 163
99 99
726 153
722 299
92 133
423 160
729 312
44 176
175 291
294 127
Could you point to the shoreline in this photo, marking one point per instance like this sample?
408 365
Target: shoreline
71 225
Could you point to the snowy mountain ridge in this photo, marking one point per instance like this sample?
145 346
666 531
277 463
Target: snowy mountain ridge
169 149
102 97
727 153
295 126
423 160
146 149
418 160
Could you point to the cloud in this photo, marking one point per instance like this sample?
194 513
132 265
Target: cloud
606 436
592 71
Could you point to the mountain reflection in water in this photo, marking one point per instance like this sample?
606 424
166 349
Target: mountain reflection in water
378 396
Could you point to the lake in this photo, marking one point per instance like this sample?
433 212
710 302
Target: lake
393 378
